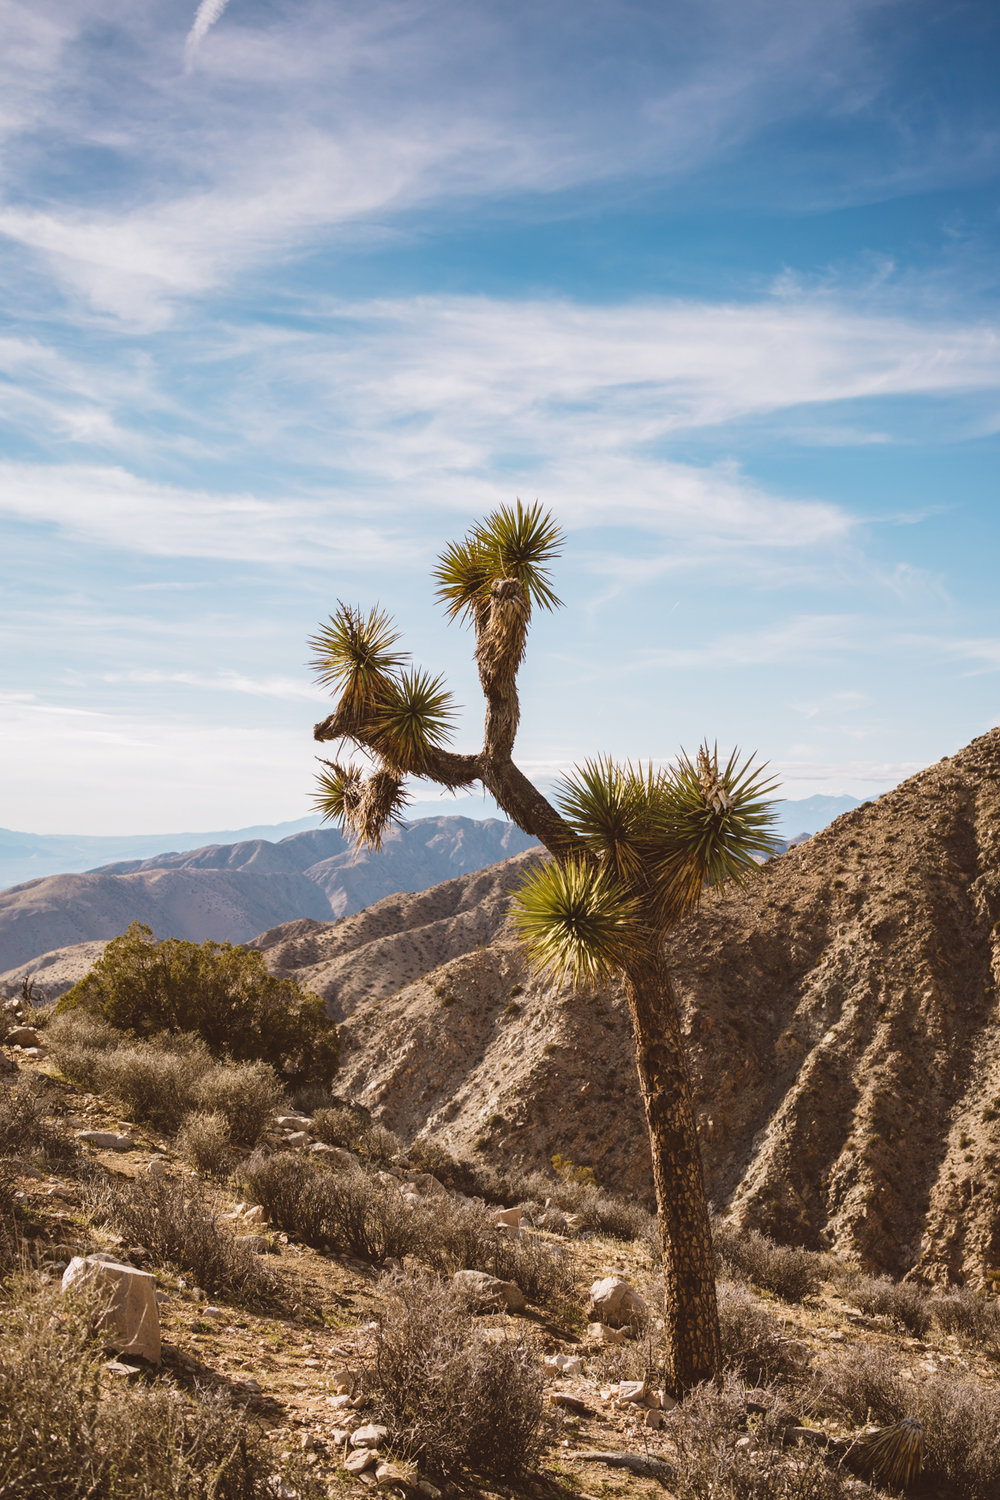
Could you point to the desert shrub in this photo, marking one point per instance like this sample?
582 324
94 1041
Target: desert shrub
960 1416
66 1435
462 1238
352 1127
451 1397
175 1224
600 1212
245 1094
908 1306
163 1080
340 1211
972 1318
206 1141
755 1344
216 991
706 1432
747 1255
25 1131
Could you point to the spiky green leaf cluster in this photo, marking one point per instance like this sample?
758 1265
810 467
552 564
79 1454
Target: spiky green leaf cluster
354 654
513 542
338 792
711 822
575 921
415 715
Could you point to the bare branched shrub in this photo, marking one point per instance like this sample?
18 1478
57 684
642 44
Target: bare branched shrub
755 1343
348 1126
908 1306
861 1384
461 1237
246 1094
972 1318
345 1212
725 1452
66 1435
451 1397
747 1255
163 1080
206 1141
179 1228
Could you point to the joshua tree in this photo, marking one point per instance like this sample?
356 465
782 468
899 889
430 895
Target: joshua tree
632 849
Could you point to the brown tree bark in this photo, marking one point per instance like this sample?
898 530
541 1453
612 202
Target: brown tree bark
692 1344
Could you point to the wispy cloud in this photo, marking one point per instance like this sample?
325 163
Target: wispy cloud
209 11
288 688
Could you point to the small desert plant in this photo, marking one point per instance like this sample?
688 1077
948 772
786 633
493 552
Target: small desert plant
453 1398
341 1211
218 992
462 1238
747 1255
908 1306
66 1435
972 1318
714 1460
352 1128
206 1141
245 1094
755 1344
178 1227
861 1384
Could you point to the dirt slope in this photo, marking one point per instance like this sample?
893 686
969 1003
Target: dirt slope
843 1022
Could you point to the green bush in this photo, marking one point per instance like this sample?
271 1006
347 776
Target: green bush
215 991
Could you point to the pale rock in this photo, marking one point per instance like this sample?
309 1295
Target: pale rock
214 1312
653 1418
106 1140
298 1138
631 1390
616 1303
360 1460
128 1300
509 1218
372 1435
23 1036
605 1335
293 1122
35 1052
255 1242
156 1168
342 1382
426 1184
337 1156
395 1475
489 1291
253 1215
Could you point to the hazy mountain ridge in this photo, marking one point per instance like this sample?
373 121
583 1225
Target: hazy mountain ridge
233 892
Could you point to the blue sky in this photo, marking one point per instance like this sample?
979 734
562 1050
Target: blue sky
291 292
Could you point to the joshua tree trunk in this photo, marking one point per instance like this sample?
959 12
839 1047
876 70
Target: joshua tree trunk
690 1311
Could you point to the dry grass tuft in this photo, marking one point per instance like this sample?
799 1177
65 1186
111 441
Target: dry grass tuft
746 1255
205 1140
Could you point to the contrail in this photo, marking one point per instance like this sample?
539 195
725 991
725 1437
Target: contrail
207 14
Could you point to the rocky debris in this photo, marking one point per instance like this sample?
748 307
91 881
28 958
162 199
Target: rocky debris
258 1243
616 1303
342 1382
507 1218
568 1402
293 1122
106 1140
487 1291
564 1364
396 1476
337 1156
156 1168
360 1459
298 1138
127 1302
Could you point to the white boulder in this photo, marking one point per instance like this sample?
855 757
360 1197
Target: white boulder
487 1291
127 1302
616 1303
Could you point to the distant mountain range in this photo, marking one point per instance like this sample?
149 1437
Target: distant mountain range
231 892
30 856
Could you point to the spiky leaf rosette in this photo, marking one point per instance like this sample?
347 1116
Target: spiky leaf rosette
513 542
609 807
710 822
894 1455
414 718
338 791
575 921
354 653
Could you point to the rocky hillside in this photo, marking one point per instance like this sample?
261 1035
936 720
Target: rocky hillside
230 892
842 1016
